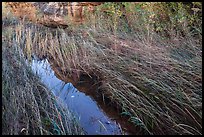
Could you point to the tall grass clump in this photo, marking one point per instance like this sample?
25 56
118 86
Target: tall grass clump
156 77
146 58
28 108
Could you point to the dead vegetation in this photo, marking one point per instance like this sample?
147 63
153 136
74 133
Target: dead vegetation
156 81
28 108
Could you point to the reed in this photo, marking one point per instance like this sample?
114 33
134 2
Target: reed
156 81
28 107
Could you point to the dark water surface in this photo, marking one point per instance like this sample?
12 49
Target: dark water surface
92 118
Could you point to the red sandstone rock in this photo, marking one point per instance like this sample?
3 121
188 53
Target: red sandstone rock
51 13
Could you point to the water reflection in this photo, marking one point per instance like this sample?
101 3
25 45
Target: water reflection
92 118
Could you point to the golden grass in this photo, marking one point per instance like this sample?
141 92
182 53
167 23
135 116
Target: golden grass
156 81
28 108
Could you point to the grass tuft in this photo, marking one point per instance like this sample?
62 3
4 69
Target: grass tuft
154 79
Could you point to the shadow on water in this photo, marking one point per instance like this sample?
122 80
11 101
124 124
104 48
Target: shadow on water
95 117
54 62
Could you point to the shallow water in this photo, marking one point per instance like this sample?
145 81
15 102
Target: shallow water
91 117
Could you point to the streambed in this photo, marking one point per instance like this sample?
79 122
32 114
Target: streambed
91 116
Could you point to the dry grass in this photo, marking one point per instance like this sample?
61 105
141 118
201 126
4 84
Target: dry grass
27 106
156 81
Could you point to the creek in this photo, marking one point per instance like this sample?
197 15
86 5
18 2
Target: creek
92 116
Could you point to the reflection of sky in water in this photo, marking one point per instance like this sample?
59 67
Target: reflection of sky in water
92 118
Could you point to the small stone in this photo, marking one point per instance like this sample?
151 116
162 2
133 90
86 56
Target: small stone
108 122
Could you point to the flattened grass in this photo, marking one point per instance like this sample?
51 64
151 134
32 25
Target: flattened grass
156 81
28 108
